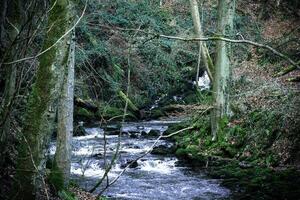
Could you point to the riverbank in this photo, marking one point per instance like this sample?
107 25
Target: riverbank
249 166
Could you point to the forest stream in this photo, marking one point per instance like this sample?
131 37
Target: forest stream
152 177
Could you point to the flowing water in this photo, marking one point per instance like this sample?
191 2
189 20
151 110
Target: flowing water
154 176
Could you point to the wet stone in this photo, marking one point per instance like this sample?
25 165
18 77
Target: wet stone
154 133
113 132
133 135
98 155
132 163
163 149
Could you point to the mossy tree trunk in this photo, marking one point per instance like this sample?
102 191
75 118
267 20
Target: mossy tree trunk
222 64
62 166
41 108
202 46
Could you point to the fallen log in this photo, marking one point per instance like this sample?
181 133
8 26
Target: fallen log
85 104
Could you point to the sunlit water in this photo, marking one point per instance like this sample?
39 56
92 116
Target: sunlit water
155 177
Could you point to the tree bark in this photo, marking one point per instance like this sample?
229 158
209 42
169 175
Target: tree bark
41 108
202 46
222 71
65 122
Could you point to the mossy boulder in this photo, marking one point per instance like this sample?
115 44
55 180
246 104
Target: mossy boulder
156 113
164 149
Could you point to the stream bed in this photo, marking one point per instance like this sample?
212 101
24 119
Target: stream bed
152 177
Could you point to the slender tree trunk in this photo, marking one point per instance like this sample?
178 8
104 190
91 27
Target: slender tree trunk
222 71
65 123
41 110
202 46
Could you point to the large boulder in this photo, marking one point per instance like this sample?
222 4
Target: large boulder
164 149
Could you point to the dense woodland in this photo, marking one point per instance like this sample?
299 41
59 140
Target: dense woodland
227 70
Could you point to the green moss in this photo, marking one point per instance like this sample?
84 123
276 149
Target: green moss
84 113
56 177
156 113
180 152
38 118
258 182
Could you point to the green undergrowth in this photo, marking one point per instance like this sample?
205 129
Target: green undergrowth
246 154
104 112
258 182
252 138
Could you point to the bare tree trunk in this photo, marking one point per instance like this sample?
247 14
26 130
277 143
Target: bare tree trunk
65 122
222 71
41 108
202 46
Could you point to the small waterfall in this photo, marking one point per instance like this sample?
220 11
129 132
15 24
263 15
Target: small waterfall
152 177
165 166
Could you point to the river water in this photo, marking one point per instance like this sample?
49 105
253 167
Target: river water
154 177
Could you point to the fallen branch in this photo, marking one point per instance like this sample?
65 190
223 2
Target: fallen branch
286 70
85 104
243 41
294 79
214 38
126 99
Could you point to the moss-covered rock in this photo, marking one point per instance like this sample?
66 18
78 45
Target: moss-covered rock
156 113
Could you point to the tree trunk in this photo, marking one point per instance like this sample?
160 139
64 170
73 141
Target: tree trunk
41 110
202 46
222 71
65 123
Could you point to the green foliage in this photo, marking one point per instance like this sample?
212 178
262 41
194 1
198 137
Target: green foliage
250 140
109 112
258 182
106 111
156 113
84 113
106 51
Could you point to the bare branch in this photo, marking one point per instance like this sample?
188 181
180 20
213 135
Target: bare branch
243 41
53 45
213 38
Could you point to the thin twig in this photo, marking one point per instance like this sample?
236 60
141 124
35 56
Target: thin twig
214 38
53 45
